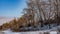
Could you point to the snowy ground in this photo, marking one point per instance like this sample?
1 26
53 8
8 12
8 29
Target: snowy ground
5 20
31 32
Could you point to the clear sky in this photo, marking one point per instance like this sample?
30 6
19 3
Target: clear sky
12 8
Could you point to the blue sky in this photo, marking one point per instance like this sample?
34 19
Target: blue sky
12 8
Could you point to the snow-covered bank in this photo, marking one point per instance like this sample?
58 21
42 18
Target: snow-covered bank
51 31
31 32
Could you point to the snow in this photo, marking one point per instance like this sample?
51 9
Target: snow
30 32
5 20
53 32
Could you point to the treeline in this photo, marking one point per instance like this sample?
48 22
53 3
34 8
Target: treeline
15 25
